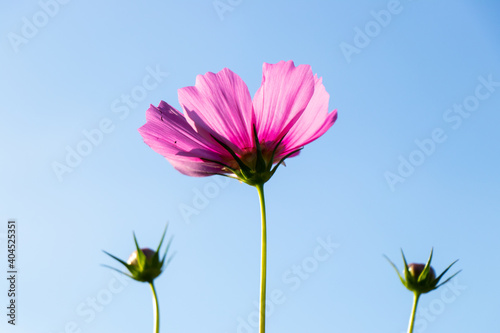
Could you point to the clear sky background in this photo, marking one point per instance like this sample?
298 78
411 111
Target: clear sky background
411 163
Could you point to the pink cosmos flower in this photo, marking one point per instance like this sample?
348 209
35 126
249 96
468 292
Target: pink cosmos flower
223 131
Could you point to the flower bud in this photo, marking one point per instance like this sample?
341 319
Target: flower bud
132 260
144 264
417 269
421 278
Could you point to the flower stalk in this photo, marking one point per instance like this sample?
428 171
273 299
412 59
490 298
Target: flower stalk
413 312
263 263
156 308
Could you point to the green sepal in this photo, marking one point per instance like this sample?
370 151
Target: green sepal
408 276
261 171
260 163
448 279
275 149
117 259
427 268
283 159
141 258
396 269
130 276
245 170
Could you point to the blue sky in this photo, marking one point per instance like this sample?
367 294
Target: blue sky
411 163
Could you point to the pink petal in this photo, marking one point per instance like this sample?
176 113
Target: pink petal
168 133
281 99
220 104
314 121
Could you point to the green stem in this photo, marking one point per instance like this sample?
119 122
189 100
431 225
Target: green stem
262 309
413 312
157 308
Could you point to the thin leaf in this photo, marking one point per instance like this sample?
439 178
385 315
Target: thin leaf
245 169
409 278
166 250
162 238
220 163
141 257
444 272
283 159
170 259
260 164
448 279
274 151
130 276
396 269
427 268
117 259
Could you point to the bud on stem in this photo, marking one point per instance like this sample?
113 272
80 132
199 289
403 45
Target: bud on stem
420 279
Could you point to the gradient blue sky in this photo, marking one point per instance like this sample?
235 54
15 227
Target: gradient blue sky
413 90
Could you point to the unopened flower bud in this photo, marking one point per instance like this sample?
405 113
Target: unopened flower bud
144 264
417 269
132 260
421 278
